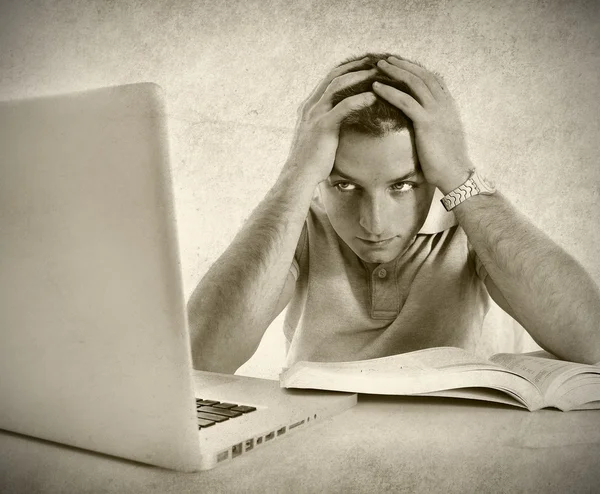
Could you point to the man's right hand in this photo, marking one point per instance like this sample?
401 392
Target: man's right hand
317 131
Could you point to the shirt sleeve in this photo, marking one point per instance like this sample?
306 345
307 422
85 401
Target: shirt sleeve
295 267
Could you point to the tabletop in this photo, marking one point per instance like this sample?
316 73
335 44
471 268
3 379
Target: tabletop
384 444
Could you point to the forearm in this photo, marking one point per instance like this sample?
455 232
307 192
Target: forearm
550 294
233 304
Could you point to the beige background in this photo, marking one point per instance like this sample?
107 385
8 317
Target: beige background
526 75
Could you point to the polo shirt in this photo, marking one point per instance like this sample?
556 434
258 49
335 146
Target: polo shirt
431 295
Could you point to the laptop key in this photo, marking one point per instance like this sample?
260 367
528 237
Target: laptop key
243 409
225 405
219 411
206 402
211 416
202 423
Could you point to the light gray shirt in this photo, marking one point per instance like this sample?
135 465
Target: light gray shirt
432 295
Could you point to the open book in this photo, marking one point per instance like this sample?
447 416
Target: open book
530 380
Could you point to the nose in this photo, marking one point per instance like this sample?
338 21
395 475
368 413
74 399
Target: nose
373 214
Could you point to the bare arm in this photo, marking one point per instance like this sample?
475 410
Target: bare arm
245 289
533 279
236 300
530 277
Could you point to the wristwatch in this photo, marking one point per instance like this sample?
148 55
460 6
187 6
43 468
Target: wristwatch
474 185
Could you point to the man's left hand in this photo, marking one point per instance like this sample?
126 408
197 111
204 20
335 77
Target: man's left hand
439 135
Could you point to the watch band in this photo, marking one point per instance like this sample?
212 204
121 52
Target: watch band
473 186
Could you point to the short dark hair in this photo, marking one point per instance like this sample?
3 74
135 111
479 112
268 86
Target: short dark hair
381 117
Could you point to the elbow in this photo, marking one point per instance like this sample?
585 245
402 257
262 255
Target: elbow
211 358
216 344
213 355
591 352
585 350
590 358
212 362
591 347
205 348
581 334
588 349
221 367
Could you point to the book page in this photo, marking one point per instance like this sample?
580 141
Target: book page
424 371
584 394
544 372
429 359
450 357
481 394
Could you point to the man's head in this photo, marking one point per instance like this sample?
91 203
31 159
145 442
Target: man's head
381 117
376 197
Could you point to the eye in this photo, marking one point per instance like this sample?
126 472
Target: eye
344 186
403 187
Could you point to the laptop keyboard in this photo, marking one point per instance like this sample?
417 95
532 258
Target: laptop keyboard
211 412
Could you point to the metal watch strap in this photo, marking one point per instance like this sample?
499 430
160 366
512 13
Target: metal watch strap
461 193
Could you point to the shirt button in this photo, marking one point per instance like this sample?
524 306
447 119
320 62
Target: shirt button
382 273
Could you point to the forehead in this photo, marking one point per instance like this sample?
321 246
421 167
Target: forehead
370 158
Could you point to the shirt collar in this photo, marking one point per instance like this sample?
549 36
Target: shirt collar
438 219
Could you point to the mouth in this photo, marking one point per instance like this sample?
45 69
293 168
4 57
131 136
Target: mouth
376 243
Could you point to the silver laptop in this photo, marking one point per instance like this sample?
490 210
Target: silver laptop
94 348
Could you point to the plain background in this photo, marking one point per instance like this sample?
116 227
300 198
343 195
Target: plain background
526 75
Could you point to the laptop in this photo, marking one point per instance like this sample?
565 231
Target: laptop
95 350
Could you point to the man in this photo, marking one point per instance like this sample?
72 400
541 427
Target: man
368 265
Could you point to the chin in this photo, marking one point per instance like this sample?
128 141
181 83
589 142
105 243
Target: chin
377 257
374 255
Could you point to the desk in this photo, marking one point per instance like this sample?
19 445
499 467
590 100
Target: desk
397 444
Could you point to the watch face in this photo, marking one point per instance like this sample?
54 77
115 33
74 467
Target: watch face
487 186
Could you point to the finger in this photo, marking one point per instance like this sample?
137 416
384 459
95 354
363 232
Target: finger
418 86
338 71
434 83
347 105
403 101
342 82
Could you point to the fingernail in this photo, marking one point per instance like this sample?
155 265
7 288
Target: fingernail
382 62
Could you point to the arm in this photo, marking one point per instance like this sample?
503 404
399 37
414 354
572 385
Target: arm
533 279
530 277
248 286
237 299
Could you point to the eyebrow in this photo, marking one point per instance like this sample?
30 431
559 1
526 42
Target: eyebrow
408 175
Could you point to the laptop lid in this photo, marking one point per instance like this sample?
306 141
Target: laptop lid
95 349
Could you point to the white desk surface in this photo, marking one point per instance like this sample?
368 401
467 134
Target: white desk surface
397 444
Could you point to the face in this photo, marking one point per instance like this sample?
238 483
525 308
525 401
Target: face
376 197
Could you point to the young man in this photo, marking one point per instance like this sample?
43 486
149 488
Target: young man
352 237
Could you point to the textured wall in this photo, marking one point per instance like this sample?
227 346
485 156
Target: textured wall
526 75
